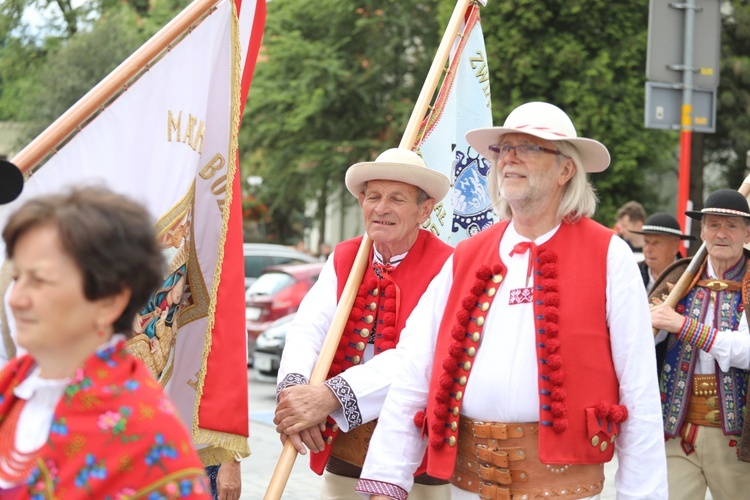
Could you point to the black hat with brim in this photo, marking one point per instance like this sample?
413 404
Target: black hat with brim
11 182
725 202
665 224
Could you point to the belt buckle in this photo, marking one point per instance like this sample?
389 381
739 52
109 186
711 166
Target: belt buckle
713 417
717 286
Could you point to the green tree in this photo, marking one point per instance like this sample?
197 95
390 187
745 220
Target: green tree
589 58
335 84
729 145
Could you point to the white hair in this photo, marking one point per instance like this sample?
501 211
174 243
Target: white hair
578 199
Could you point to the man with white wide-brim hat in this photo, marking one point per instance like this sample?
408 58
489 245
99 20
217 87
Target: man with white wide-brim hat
532 357
661 246
705 369
334 420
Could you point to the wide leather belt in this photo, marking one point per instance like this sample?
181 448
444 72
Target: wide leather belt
500 461
349 451
703 404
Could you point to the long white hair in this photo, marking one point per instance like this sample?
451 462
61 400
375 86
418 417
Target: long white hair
579 198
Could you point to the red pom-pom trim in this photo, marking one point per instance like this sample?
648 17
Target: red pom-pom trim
483 273
419 419
446 381
387 345
463 317
551 299
554 361
389 319
371 283
546 257
552 330
359 302
339 356
456 350
557 377
558 394
389 333
441 412
458 333
477 288
436 442
618 413
498 269
390 292
552 314
389 305
335 370
449 364
559 425
549 271
559 409
438 427
553 345
356 314
549 285
441 396
469 302
601 410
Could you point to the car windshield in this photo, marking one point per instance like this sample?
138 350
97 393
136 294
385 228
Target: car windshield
270 283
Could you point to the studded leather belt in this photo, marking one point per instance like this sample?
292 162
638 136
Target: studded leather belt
500 461
703 407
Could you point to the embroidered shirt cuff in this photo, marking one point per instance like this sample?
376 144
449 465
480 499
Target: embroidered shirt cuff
370 487
697 334
290 379
348 400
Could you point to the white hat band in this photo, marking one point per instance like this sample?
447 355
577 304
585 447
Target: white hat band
662 229
724 211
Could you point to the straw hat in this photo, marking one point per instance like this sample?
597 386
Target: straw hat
545 121
397 164
11 182
661 223
727 202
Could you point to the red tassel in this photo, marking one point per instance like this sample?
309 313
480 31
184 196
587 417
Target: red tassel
463 317
554 361
559 425
477 288
419 419
483 273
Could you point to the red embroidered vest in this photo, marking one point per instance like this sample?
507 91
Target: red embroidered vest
384 303
578 413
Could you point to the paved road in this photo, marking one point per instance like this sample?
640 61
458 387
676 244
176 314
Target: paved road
303 484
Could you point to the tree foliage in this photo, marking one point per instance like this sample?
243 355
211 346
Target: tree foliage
336 83
728 146
589 58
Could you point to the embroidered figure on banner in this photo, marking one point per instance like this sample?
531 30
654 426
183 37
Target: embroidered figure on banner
156 325
472 206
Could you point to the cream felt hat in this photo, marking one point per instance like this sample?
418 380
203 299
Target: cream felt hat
545 121
397 164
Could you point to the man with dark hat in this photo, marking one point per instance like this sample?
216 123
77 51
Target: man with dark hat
661 246
704 378
334 420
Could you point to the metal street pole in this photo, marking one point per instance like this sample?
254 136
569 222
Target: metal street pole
683 189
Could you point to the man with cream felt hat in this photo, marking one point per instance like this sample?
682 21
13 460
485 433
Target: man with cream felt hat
533 356
334 420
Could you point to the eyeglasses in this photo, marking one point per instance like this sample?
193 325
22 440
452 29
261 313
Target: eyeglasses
523 151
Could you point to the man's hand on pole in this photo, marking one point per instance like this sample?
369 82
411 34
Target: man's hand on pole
303 406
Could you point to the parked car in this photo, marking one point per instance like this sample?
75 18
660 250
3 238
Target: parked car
276 293
259 256
268 349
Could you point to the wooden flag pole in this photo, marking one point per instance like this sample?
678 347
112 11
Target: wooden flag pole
683 284
322 366
96 98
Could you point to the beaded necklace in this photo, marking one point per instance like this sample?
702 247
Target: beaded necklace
15 466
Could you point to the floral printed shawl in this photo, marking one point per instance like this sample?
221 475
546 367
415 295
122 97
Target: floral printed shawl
114 435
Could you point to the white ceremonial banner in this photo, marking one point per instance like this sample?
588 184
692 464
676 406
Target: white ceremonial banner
463 104
170 141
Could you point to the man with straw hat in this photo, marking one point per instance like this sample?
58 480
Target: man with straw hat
661 246
334 420
704 377
530 356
